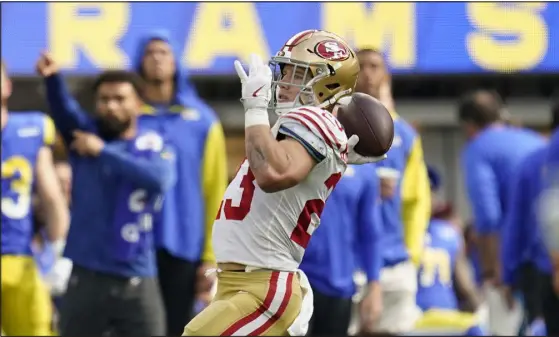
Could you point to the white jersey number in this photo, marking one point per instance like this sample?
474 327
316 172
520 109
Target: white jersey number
20 171
299 234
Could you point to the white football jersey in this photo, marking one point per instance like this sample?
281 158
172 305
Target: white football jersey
272 230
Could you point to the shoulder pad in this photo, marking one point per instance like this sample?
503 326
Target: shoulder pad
321 123
315 145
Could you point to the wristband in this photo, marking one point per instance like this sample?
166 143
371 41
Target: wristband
255 117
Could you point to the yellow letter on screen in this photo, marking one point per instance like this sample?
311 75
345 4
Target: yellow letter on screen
224 29
96 34
390 25
523 21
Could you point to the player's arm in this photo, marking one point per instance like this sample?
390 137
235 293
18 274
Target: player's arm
369 230
482 191
156 174
513 232
416 201
64 109
464 282
549 215
50 193
214 182
276 165
48 187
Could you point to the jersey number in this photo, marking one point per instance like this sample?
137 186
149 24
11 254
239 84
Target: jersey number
20 171
435 261
300 234
137 205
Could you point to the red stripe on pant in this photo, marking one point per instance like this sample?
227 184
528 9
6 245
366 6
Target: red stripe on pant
261 309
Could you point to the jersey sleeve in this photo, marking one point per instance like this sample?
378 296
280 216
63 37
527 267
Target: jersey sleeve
318 131
49 131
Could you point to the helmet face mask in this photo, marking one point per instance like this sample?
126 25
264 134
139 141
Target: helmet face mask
313 68
301 78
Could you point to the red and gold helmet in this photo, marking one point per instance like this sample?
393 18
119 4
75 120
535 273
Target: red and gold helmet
329 67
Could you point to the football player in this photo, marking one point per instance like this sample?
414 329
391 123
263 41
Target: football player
444 270
27 163
273 204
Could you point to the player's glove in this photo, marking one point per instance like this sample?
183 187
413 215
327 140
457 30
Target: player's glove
58 276
354 157
256 92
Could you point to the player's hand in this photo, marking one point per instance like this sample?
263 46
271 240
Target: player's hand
256 92
87 144
205 282
205 298
508 297
354 157
370 308
58 276
46 66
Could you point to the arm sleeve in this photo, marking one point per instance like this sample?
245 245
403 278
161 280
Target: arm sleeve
513 234
416 201
482 191
64 109
548 212
317 130
369 229
156 174
214 183
314 145
553 154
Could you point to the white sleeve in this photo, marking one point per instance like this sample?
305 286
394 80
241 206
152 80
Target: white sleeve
314 144
322 125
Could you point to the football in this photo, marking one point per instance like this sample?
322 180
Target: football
366 117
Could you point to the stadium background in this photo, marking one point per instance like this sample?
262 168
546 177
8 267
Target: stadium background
436 51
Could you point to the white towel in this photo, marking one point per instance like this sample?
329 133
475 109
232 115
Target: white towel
502 321
301 324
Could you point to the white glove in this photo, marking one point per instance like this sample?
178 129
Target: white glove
355 158
256 92
57 278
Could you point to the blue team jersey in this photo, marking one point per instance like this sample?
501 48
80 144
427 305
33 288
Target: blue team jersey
22 137
435 286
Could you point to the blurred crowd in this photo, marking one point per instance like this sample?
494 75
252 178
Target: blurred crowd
116 235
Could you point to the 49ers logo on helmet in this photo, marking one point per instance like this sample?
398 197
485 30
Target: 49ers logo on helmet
331 50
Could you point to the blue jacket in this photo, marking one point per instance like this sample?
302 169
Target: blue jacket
96 186
521 235
488 163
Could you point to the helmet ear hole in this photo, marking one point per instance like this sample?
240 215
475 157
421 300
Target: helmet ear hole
332 86
320 94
